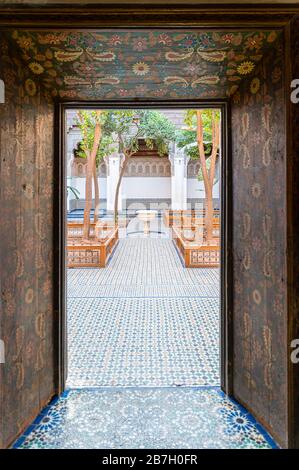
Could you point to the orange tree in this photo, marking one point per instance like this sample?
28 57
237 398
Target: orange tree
201 139
90 124
106 132
125 129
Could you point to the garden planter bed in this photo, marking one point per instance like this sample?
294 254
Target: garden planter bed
94 254
194 254
75 230
181 217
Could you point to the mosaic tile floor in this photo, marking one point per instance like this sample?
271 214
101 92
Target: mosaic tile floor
145 320
143 342
161 418
142 267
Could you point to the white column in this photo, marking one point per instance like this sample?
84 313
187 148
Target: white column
178 181
73 137
113 169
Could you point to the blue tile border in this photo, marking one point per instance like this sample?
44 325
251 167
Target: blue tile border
251 418
34 427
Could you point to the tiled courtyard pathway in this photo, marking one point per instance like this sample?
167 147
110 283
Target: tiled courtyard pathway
145 320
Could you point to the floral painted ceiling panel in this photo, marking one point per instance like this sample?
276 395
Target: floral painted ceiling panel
85 65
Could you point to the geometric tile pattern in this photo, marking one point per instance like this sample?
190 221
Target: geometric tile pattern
144 267
143 342
145 320
159 418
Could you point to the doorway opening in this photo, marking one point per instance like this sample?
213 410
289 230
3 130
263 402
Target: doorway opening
143 246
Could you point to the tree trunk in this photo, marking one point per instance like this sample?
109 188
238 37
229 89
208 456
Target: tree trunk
208 176
121 174
209 213
205 175
91 161
88 197
96 195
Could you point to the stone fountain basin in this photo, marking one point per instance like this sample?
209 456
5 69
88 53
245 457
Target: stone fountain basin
146 215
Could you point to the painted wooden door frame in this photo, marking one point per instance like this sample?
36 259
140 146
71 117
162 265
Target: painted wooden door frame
176 16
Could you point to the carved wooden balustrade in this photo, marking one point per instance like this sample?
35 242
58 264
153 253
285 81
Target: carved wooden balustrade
75 230
185 217
95 252
192 250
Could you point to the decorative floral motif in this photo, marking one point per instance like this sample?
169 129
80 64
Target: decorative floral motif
36 68
29 296
139 44
192 69
51 420
115 40
245 67
254 42
213 56
256 295
140 68
25 42
256 190
237 421
88 57
30 87
67 56
255 85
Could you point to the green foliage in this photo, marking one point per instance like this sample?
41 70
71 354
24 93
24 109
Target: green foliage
188 139
157 130
73 190
122 129
191 121
86 121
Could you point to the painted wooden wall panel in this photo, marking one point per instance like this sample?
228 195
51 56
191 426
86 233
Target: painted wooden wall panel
88 65
259 244
294 234
26 179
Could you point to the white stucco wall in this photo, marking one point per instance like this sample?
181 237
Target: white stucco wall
79 183
195 189
144 188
